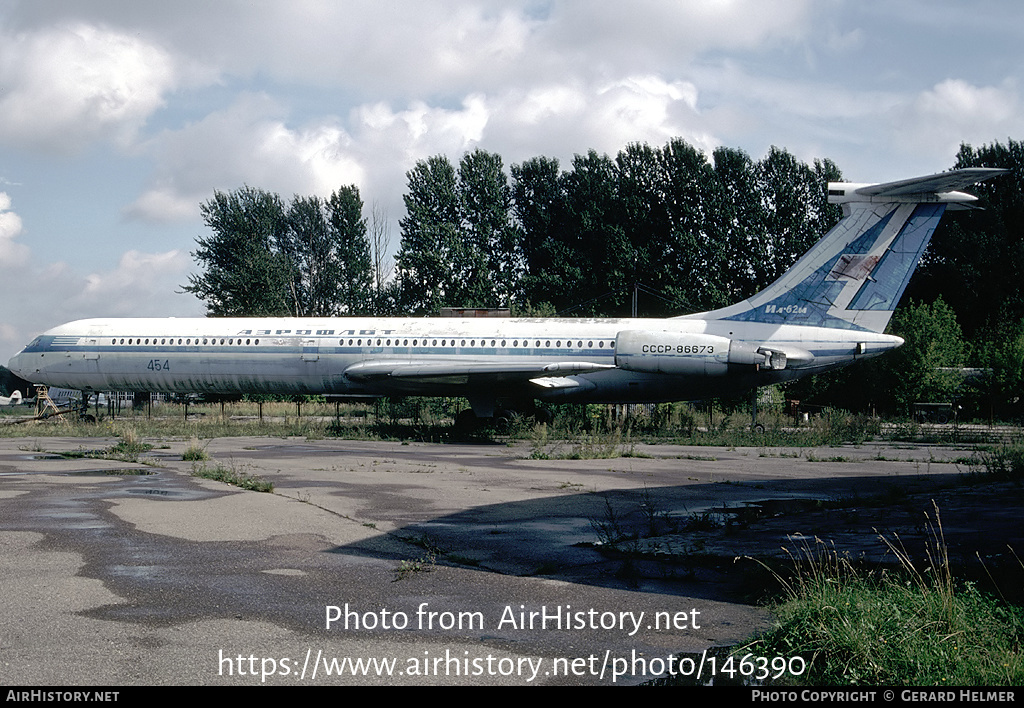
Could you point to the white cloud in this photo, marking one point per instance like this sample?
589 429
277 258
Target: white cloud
139 285
247 143
642 34
67 85
395 51
13 255
252 143
371 46
955 111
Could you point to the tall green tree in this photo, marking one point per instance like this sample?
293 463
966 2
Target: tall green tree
668 222
598 265
308 259
741 219
795 198
694 262
459 244
539 210
647 245
430 245
1002 362
491 266
356 291
242 272
976 258
329 254
926 367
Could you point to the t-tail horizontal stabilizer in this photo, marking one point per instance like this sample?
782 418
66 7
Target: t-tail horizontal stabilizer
854 276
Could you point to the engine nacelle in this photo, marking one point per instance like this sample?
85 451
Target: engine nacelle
688 353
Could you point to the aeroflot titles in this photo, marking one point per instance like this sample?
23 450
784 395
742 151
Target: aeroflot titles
318 332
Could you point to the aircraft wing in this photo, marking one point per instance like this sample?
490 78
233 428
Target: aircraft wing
940 183
417 374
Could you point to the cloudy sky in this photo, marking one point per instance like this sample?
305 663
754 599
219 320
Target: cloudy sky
117 117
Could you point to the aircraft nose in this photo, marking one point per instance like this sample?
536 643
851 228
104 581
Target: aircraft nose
17 364
14 364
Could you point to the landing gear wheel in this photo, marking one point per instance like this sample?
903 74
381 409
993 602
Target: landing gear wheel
466 422
505 420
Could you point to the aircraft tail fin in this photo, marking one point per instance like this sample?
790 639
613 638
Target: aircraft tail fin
854 276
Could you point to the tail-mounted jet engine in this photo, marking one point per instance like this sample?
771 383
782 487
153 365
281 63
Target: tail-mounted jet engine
696 354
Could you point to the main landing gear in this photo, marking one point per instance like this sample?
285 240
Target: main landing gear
502 419
83 410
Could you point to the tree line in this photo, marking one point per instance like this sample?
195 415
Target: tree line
687 231
665 230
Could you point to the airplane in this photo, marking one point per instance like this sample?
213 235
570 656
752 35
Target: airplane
13 400
829 310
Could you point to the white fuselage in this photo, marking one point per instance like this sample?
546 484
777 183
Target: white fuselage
471 357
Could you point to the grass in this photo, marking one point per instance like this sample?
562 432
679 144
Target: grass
577 431
423 564
195 452
916 625
1002 462
430 420
234 476
127 449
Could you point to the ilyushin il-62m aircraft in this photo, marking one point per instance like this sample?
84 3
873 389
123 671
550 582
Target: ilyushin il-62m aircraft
828 310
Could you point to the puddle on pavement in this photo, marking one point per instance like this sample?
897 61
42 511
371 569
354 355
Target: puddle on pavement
124 472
